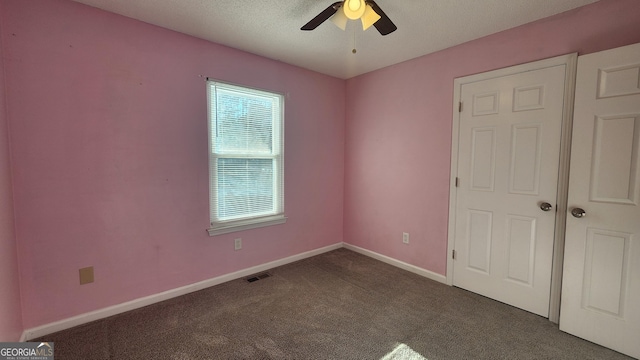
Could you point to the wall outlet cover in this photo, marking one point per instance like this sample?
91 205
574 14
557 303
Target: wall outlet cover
86 275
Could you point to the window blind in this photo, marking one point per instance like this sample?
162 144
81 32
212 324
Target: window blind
246 154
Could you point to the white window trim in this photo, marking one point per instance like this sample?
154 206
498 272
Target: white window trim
247 224
225 227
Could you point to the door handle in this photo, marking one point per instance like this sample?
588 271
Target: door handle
578 213
545 206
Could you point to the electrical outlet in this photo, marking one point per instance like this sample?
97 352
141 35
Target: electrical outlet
237 243
405 237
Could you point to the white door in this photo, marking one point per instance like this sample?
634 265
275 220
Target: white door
601 278
507 170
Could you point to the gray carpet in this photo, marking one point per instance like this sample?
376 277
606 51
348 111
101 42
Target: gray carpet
338 305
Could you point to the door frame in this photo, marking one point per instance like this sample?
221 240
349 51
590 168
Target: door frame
570 61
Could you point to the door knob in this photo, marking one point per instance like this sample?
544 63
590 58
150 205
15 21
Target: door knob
545 206
577 212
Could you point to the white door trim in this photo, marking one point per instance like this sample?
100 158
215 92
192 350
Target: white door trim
569 61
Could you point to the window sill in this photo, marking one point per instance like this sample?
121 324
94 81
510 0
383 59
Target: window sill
234 226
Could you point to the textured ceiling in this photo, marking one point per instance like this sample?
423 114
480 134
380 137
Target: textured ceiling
271 28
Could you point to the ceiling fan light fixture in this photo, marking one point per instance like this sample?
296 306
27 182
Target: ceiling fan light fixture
340 20
340 12
369 17
354 9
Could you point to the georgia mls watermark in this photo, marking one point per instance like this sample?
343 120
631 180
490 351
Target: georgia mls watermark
26 351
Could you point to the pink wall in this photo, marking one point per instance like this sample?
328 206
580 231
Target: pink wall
109 151
109 144
10 308
398 130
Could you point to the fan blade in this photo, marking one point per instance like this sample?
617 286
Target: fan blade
320 18
385 26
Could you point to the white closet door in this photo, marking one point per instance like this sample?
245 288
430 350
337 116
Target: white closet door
508 156
601 278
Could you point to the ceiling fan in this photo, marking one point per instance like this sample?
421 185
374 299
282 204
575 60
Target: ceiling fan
366 10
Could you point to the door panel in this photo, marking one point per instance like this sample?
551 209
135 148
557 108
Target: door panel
605 267
525 159
615 160
508 156
483 154
479 234
601 277
521 236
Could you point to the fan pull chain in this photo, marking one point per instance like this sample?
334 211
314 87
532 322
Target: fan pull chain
353 51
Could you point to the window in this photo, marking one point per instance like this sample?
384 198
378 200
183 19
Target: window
246 167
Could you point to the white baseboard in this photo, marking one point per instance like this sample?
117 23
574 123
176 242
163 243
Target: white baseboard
397 263
68 323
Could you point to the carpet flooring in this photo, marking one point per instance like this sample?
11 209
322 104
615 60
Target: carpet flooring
337 305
